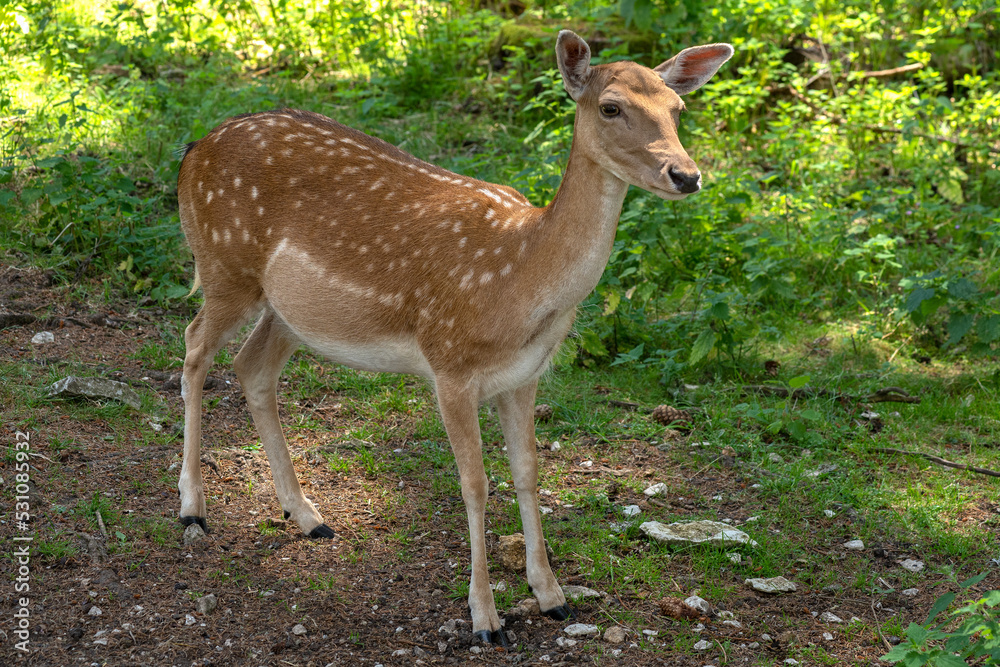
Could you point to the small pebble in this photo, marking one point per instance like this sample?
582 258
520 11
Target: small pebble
854 545
911 592
299 629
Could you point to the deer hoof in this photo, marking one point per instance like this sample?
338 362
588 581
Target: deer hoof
322 530
559 613
495 637
200 520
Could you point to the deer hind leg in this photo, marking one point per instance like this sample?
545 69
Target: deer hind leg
258 366
517 419
214 325
460 412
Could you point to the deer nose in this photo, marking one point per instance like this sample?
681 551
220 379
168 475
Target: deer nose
684 180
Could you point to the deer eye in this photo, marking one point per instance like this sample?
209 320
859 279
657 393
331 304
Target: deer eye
610 110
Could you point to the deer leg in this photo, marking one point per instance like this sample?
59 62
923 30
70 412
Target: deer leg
211 328
258 366
460 412
517 419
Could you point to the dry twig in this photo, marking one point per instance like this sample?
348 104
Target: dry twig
940 461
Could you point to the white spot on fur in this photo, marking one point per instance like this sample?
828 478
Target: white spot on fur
260 210
461 242
505 270
236 182
253 192
208 199
215 236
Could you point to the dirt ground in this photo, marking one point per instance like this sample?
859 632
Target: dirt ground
284 599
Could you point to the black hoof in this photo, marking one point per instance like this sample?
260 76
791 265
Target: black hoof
322 530
495 637
559 613
287 514
200 520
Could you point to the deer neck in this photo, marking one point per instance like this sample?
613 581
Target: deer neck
577 228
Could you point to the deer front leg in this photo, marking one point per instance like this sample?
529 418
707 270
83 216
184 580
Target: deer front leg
517 419
460 412
258 366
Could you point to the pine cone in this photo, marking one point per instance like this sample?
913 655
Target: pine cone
543 412
667 415
678 609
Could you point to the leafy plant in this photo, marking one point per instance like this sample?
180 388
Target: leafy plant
977 636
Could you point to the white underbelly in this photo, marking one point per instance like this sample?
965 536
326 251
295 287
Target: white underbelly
377 354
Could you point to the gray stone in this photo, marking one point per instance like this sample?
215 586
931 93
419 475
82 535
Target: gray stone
773 585
616 634
581 630
90 387
512 554
734 558
695 532
207 603
574 593
299 629
822 470
702 645
631 510
791 661
913 565
829 514
43 337
95 611
774 457
911 592
700 604
192 534
854 545
562 642
830 617
733 624
827 636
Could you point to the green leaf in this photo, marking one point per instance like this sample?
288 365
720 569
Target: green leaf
810 414
630 356
917 297
988 328
963 289
898 653
796 429
974 580
939 605
958 326
917 633
614 298
702 346
946 660
800 381
951 189
592 345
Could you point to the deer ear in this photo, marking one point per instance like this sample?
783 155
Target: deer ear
691 69
573 56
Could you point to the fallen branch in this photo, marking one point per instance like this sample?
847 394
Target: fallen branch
940 461
885 395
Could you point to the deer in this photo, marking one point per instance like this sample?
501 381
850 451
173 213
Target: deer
382 262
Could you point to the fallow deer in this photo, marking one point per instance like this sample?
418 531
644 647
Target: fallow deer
383 262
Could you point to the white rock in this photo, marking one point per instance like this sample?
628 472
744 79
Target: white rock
911 592
299 629
791 661
581 630
95 611
702 645
725 615
695 532
631 510
189 619
733 624
774 457
95 387
562 642
827 636
734 558
574 593
474 649
555 446
771 585
829 514
753 646
913 565
616 652
658 489
854 545
400 652
830 617
700 604
43 337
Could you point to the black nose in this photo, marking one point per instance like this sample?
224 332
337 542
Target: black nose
685 181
